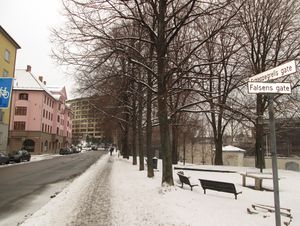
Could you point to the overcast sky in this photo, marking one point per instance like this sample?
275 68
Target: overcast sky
29 23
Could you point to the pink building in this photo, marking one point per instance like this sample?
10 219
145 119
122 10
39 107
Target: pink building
40 119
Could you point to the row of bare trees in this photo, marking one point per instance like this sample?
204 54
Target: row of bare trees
175 58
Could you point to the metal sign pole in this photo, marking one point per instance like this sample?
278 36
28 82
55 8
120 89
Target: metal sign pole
274 159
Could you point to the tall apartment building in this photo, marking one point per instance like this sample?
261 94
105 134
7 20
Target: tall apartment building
8 53
85 120
40 117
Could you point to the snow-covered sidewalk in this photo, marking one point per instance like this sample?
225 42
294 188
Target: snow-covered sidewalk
130 198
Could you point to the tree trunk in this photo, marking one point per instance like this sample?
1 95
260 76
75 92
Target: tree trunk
134 158
174 144
219 151
161 43
167 176
150 172
140 126
125 146
134 132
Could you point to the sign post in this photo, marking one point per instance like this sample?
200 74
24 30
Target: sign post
274 160
257 84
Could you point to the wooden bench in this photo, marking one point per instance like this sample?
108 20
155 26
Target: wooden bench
185 180
219 186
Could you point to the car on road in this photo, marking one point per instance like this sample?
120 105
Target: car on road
65 151
75 149
4 159
19 156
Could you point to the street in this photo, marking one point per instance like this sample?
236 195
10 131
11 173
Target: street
18 182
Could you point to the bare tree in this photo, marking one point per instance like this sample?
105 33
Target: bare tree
271 29
92 41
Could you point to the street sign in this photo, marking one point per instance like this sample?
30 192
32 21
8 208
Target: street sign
262 87
5 92
276 72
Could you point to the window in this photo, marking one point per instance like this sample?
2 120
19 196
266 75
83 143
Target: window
42 127
58 118
21 111
43 113
5 73
7 55
23 96
19 125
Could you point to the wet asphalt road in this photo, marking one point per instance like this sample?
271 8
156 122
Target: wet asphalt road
19 181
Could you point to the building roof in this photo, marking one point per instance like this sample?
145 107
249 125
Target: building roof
25 80
231 148
9 37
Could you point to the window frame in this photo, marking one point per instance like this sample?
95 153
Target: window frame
20 110
20 125
23 96
7 55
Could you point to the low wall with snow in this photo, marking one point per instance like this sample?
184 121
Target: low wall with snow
287 163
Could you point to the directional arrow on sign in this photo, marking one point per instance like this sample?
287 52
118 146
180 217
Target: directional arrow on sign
276 72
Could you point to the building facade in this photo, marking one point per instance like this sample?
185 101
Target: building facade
86 122
40 117
8 53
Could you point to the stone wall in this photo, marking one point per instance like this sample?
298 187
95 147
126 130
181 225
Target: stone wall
287 163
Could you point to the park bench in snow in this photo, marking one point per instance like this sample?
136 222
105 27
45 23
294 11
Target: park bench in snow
219 186
185 180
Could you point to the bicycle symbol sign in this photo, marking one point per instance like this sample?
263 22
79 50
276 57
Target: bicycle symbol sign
5 91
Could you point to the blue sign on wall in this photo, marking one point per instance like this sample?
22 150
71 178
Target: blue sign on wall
5 92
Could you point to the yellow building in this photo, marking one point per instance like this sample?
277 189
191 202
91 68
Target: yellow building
8 53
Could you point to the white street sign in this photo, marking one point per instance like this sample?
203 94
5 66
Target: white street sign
261 87
276 72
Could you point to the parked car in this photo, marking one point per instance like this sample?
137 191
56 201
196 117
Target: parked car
65 151
75 149
19 156
4 159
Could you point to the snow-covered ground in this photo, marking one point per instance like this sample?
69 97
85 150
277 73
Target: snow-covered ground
138 200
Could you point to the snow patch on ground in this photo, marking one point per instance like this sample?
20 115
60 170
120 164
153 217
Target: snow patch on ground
138 200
